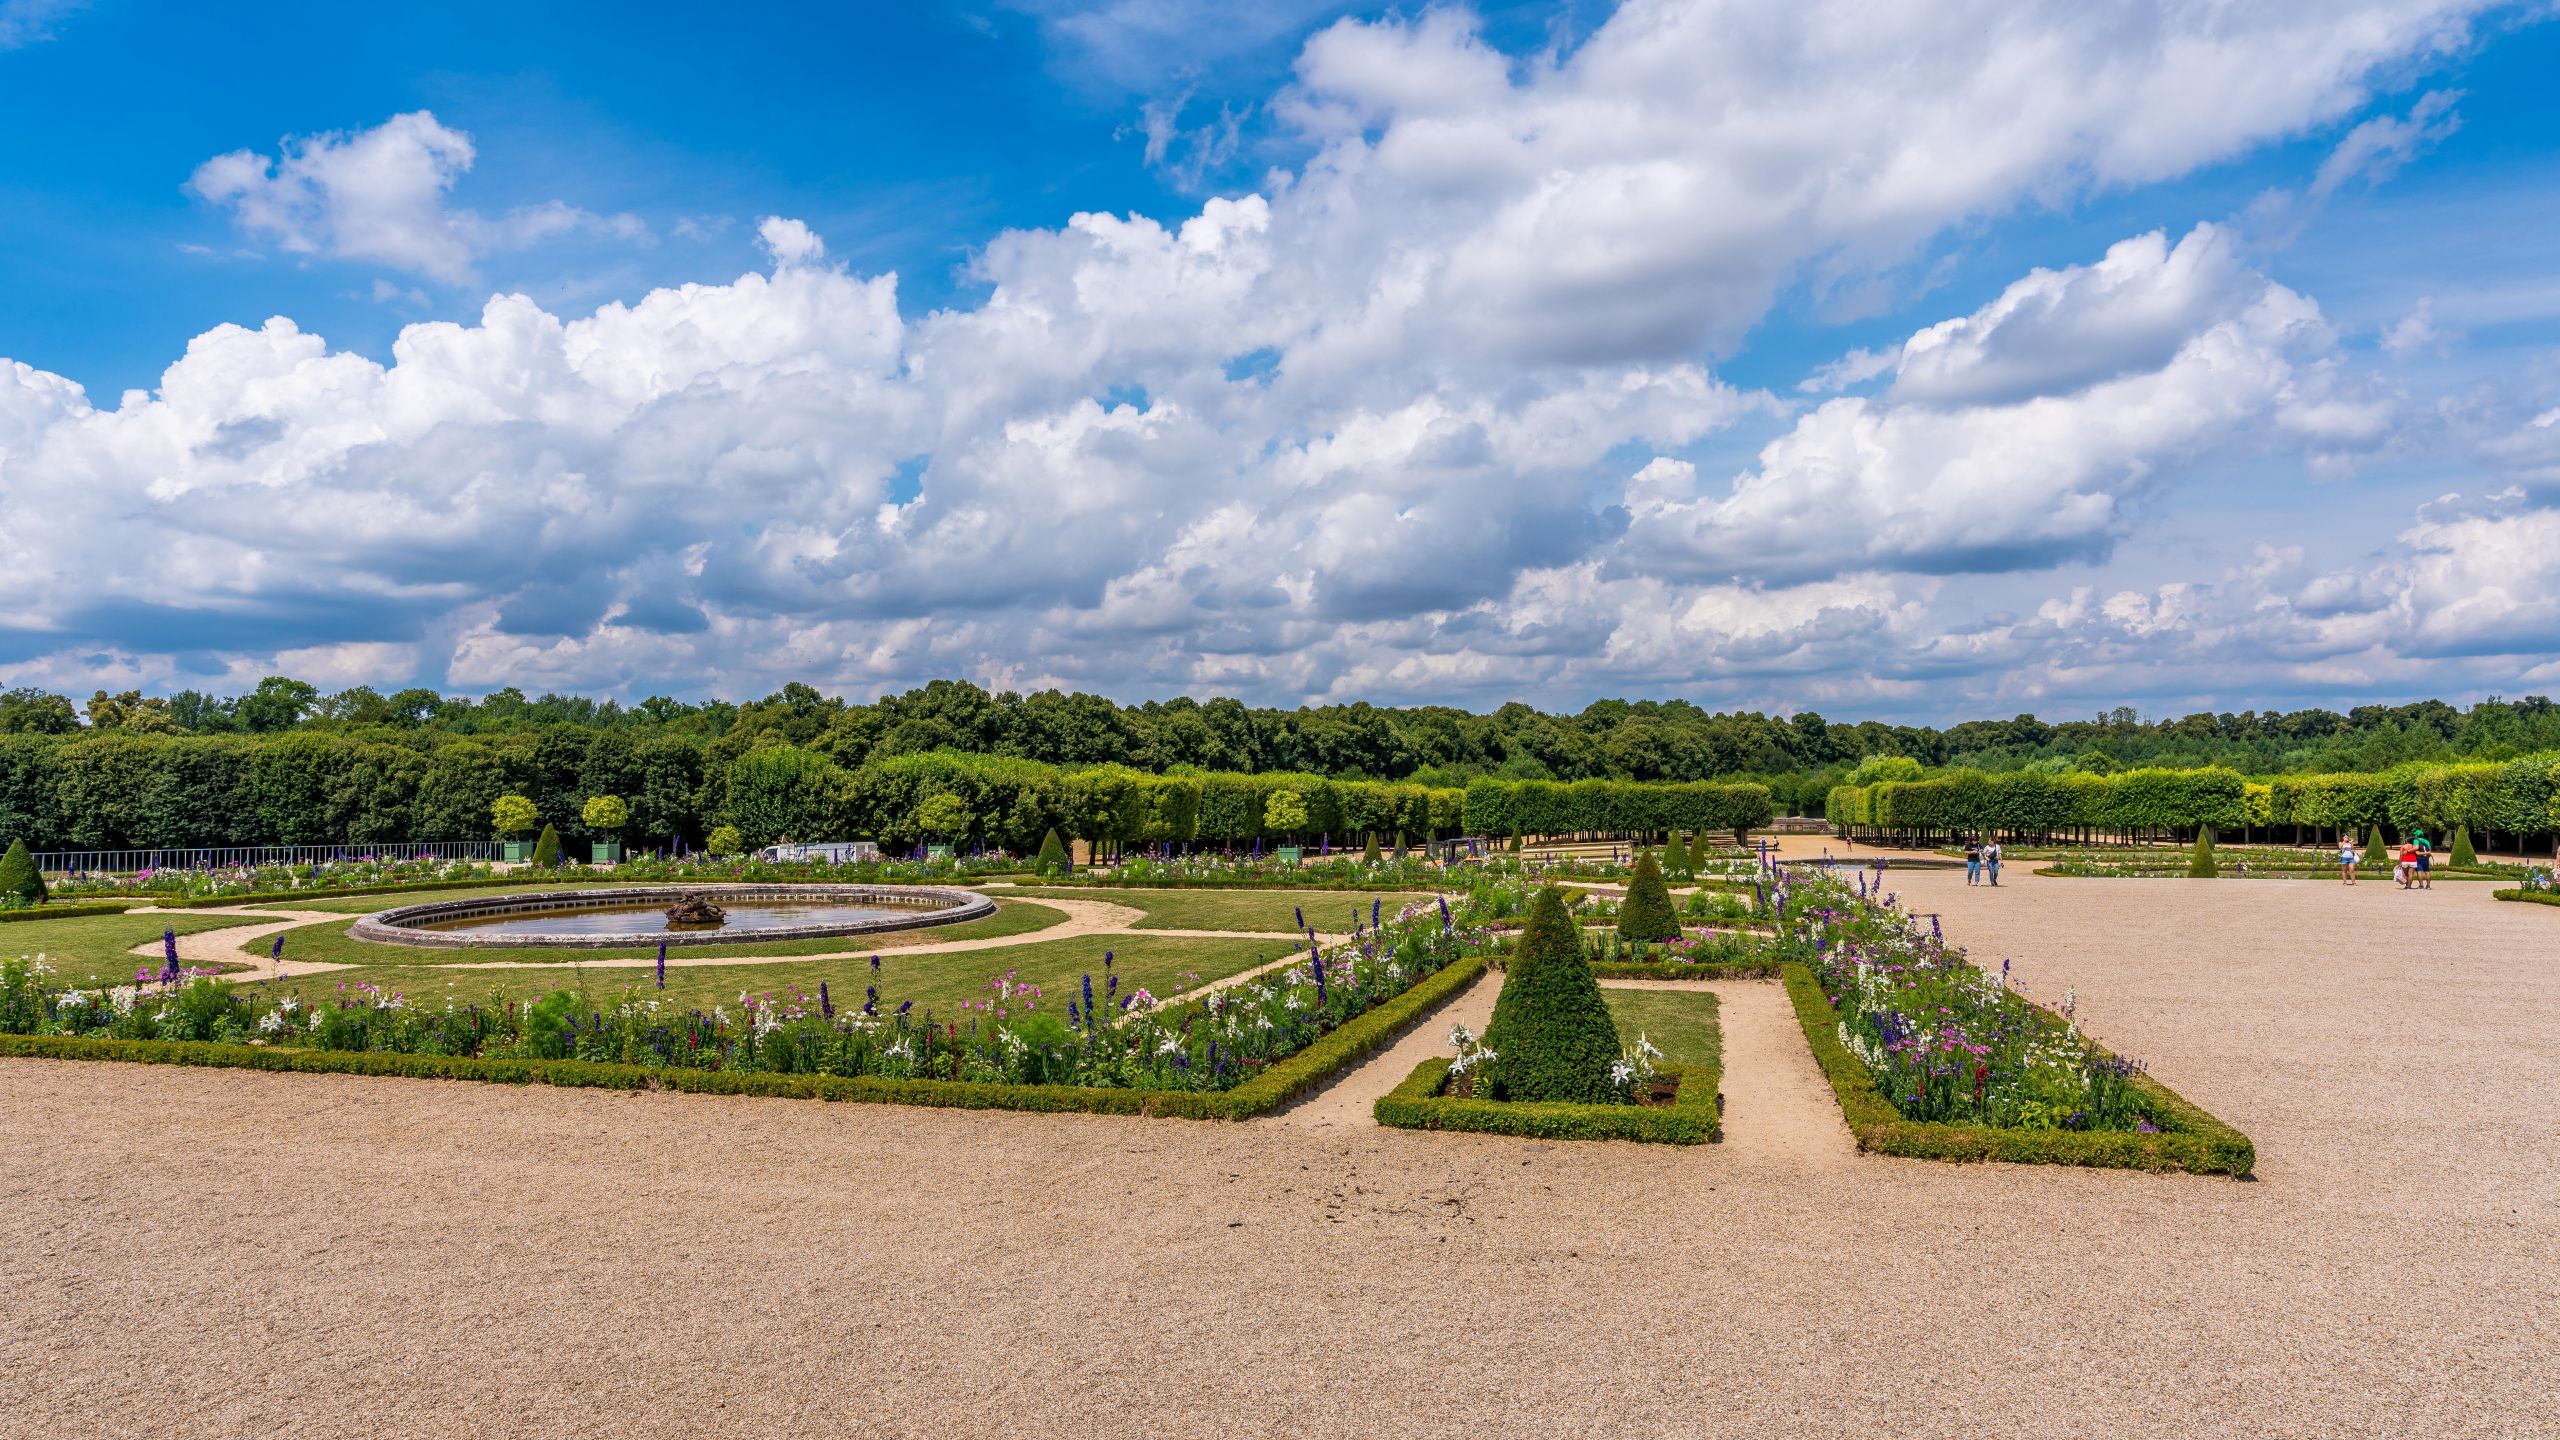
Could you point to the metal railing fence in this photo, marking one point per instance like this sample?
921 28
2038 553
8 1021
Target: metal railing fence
227 857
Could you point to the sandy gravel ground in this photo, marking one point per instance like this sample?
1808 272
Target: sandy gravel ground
218 1253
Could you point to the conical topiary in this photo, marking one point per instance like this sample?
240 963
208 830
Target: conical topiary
1053 855
20 880
1369 852
546 851
1551 1035
2374 844
2202 867
1646 913
2463 854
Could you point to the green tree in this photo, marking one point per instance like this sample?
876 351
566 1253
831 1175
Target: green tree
943 817
1551 1034
1285 813
20 881
513 815
605 814
1053 855
2202 865
724 840
1646 913
546 851
782 792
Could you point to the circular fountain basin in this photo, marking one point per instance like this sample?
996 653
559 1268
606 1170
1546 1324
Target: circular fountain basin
613 919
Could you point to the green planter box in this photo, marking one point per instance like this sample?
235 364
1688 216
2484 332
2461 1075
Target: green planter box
1289 854
517 852
606 852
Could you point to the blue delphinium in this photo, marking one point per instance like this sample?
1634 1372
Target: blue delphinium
169 947
871 1000
662 964
1088 992
826 1004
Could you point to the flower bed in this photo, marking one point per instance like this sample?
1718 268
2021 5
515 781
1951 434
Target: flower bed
1694 1116
1226 1054
1934 1058
1692 957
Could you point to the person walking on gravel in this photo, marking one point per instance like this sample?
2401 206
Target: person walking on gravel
1991 862
1973 862
2347 858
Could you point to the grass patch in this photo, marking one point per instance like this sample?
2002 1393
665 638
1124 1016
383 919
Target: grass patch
934 981
2189 1138
1681 1024
95 949
1275 911
328 942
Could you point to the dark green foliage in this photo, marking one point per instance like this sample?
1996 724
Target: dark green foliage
546 851
1694 1118
1646 914
1053 855
2202 866
1551 1035
2190 1139
2463 854
2535 897
20 881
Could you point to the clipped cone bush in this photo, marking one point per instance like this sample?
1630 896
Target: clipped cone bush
2374 844
2203 867
1647 913
2463 854
20 880
1551 1035
1369 852
546 851
1053 855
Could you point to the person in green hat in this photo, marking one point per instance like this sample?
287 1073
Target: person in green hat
2426 858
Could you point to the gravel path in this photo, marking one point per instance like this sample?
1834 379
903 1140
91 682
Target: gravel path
219 1253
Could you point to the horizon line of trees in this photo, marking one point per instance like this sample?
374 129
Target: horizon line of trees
1801 756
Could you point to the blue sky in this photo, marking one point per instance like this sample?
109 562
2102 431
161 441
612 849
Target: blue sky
1419 353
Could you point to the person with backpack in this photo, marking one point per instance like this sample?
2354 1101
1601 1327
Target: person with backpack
2426 863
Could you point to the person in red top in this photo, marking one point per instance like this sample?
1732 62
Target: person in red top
2408 864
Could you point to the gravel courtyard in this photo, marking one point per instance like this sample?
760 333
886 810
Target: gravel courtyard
214 1253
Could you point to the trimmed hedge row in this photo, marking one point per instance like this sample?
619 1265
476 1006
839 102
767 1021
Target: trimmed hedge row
1627 807
2531 897
1274 1087
1679 970
2191 1139
67 912
1695 1117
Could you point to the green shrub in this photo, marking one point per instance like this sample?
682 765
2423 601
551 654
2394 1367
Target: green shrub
2374 844
2202 866
1053 855
1647 913
725 840
1551 1035
1693 1117
605 814
2536 897
1369 852
513 815
546 851
2463 854
20 882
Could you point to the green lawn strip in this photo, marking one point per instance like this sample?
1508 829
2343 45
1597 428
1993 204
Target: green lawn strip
1692 1119
2531 897
1269 910
2190 1139
935 982
1310 1068
328 942
96 949
1680 1023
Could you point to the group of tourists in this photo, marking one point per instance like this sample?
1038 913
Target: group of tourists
1981 858
2414 869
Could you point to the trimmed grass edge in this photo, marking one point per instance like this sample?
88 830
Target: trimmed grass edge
2195 1141
1319 1062
1695 1117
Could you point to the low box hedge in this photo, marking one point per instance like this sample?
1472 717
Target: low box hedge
67 912
1695 1116
1679 970
1311 1067
2189 1139
2530 897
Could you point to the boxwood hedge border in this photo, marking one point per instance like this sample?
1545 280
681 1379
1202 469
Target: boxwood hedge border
2191 1139
2530 897
67 912
1319 1062
1695 1116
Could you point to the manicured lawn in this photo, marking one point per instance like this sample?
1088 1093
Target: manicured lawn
329 942
1680 1023
936 982
92 950
1330 911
